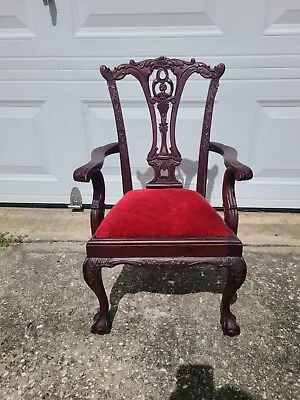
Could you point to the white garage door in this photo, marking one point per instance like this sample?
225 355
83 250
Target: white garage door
54 106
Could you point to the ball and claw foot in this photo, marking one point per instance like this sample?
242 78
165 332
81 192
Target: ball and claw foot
236 275
101 325
229 324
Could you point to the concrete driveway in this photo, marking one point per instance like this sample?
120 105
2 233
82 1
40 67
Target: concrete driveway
166 342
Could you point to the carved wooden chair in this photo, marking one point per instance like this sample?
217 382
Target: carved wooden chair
164 225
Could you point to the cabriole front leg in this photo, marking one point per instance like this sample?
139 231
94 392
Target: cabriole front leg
92 272
236 275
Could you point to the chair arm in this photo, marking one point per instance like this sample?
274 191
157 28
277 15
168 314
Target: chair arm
241 171
234 171
85 172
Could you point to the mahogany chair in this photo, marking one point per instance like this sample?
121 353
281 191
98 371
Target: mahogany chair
164 225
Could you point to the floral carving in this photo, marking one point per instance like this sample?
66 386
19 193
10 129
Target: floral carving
123 147
173 64
162 94
162 262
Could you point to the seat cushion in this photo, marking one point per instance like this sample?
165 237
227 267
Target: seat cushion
162 213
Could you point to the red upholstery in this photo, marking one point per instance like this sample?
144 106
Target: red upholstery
162 213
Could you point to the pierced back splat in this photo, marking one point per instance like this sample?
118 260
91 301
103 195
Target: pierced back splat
163 94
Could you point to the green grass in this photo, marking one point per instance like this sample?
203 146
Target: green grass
6 239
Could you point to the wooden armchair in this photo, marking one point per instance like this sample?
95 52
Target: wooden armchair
164 225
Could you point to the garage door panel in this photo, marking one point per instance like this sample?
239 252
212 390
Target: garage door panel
92 19
36 127
15 20
283 18
26 154
268 194
278 127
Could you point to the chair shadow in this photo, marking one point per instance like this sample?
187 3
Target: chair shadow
185 173
190 280
196 382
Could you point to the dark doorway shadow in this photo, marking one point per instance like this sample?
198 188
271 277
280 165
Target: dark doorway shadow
190 280
185 173
196 382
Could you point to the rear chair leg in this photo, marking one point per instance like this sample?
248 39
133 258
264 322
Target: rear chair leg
92 273
237 272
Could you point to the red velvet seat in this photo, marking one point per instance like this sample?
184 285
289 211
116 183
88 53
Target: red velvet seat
179 213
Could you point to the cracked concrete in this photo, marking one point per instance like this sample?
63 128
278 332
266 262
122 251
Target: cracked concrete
166 342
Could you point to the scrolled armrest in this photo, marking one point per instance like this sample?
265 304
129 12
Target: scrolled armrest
84 173
241 172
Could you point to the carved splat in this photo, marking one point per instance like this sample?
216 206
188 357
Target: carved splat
162 80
